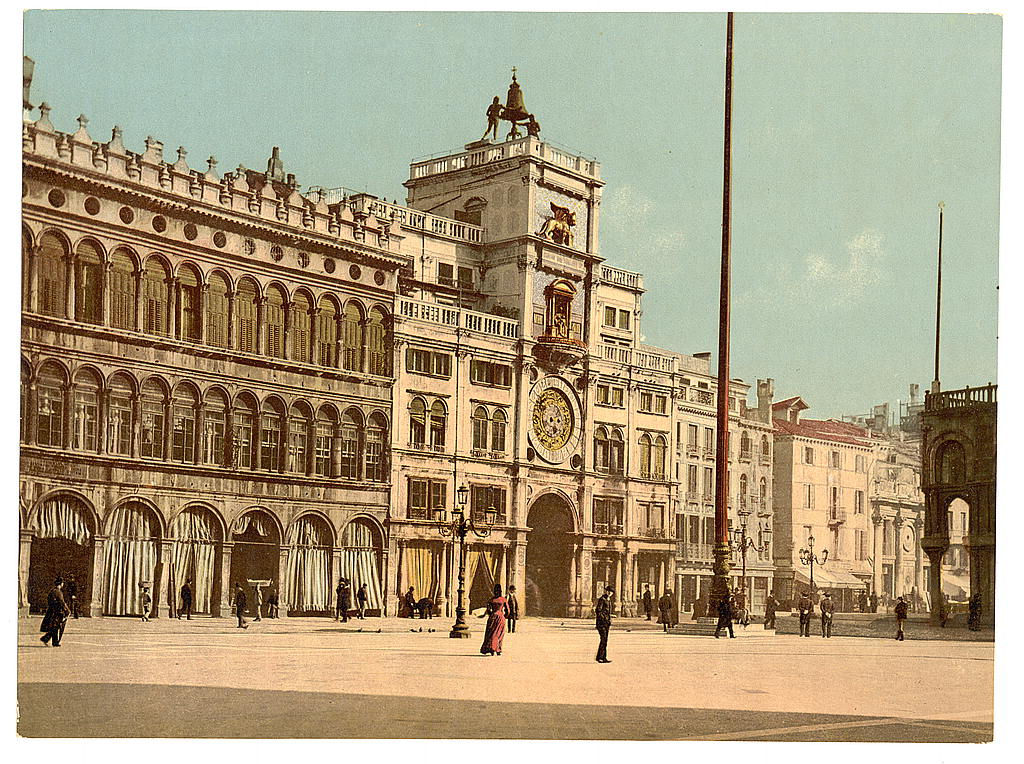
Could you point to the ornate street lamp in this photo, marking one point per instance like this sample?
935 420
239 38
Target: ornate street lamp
808 557
743 542
458 528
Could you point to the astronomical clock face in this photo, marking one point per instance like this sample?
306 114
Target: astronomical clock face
555 420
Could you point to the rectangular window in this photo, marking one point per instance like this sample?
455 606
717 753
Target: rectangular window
243 439
428 362
691 437
623 319
660 404
324 446
646 402
603 395
484 496
860 463
270 438
119 431
425 496
835 459
691 478
709 441
349 451
465 277
709 484
297 446
214 437
858 502
183 436
608 516
808 455
488 373
122 299
446 274
617 398
809 496
609 316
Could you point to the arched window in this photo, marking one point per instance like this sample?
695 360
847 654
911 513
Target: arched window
273 321
245 316
300 328
50 405
616 452
951 463
298 439
438 424
762 497
327 334
243 417
86 413
26 381
26 269
498 424
378 343
766 449
119 416
153 424
658 457
88 283
352 337
601 449
155 296
217 311
122 291
417 422
270 436
376 437
744 485
325 426
183 417
560 295
351 429
188 289
214 424
744 444
480 427
53 276
645 455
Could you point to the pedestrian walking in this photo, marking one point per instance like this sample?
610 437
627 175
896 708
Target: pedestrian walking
71 595
974 613
874 602
770 606
497 613
513 609
186 600
648 601
804 607
344 600
272 603
240 603
725 615
257 599
827 608
665 610
147 603
56 616
901 616
604 623
362 600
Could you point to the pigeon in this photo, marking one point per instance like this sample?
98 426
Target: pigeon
378 631
413 630
360 631
421 629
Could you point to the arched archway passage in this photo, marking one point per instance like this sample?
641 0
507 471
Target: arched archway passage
196 558
361 556
62 546
130 558
256 551
549 554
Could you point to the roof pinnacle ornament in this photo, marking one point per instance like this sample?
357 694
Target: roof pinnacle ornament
514 111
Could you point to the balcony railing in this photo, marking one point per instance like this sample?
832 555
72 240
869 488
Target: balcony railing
745 455
703 397
622 278
445 315
527 146
709 453
969 396
693 495
836 516
608 529
695 552
764 458
404 216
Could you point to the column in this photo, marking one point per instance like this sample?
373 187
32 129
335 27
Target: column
137 314
261 317
32 298
231 319
95 607
102 410
136 441
105 291
333 575
336 459
629 578
69 415
31 414
585 574
876 559
897 575
935 584
174 309
918 557
403 574
503 569
226 589
168 429
282 592
289 308
574 594
230 457
314 336
385 592
661 577
623 595
69 287
24 564
162 595
201 299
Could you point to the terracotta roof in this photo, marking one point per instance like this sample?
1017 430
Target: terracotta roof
825 429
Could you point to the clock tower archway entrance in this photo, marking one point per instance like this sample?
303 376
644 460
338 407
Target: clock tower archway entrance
550 546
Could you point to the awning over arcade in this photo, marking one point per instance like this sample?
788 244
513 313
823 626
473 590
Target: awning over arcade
830 579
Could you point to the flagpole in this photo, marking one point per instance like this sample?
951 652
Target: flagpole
938 302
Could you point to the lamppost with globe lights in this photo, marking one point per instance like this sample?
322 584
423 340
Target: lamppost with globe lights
743 542
458 528
808 557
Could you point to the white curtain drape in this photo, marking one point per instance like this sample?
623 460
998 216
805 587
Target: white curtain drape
194 556
129 559
360 563
421 568
254 519
309 559
62 518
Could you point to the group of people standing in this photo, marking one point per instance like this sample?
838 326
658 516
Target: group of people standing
343 601
805 609
240 603
668 614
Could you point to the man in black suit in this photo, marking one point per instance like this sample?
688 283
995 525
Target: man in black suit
56 616
770 606
71 596
828 609
805 607
513 609
186 601
725 615
240 603
648 601
604 623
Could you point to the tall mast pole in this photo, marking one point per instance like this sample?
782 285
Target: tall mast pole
938 303
720 582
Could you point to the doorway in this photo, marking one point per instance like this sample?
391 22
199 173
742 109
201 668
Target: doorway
549 550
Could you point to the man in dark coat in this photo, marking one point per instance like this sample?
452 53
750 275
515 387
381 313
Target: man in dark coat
186 601
344 600
827 608
648 601
604 623
337 598
862 601
71 595
57 612
724 615
804 606
410 603
874 602
362 601
770 606
240 603
665 611
901 616
513 610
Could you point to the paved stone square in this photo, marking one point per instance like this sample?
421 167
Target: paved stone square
318 678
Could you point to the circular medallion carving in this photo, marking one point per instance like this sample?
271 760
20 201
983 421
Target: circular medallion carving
56 197
159 223
219 239
250 247
276 252
555 420
354 271
92 205
329 265
303 259
191 232
127 215
378 278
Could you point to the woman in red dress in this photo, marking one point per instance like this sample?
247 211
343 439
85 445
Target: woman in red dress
497 610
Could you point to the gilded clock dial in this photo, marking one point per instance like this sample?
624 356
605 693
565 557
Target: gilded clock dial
552 419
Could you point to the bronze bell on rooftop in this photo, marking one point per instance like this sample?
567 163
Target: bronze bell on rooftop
515 108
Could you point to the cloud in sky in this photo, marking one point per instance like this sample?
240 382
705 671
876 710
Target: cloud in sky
847 275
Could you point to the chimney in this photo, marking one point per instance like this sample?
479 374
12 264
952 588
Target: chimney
765 393
915 391
275 167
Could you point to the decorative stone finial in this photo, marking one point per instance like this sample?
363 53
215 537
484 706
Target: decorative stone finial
44 110
181 153
211 164
82 121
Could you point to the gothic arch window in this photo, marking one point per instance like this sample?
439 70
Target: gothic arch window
417 422
298 438
85 422
53 276
744 443
120 419
26 381
499 422
351 432
766 448
378 343
951 463
352 337
153 407
273 321
217 311
659 452
50 384
271 417
438 424
214 428
616 452
245 417
645 456
327 339
155 293
762 496
300 308
376 438
481 424
122 290
26 269
326 423
246 314
184 404
744 489
88 283
601 459
189 287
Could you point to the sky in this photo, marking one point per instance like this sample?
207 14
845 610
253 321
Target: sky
848 129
